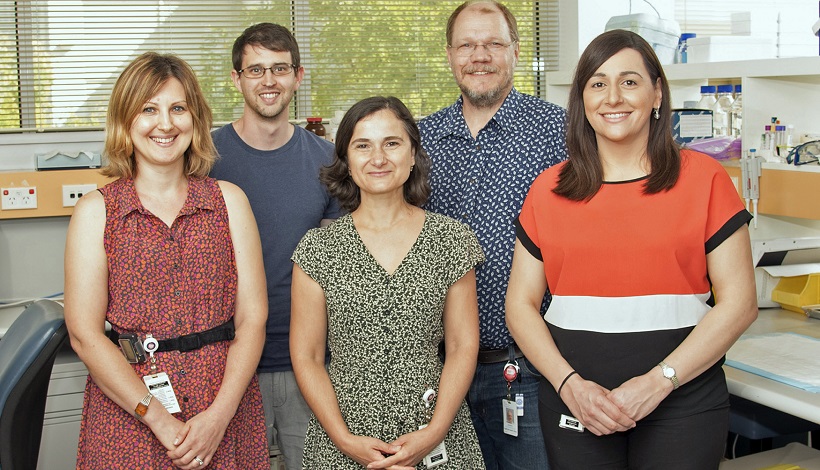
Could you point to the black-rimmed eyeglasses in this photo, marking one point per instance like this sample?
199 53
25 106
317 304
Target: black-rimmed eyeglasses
257 71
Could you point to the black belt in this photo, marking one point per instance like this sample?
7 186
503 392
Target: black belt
223 332
491 356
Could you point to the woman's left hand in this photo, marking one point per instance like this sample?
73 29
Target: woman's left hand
198 439
639 396
414 446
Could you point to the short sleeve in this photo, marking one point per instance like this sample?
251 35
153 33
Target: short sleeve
463 249
308 255
526 229
726 212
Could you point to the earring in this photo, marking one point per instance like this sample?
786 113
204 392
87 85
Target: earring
657 114
411 168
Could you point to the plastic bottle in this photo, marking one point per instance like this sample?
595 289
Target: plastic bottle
315 125
722 111
707 100
766 149
680 52
737 113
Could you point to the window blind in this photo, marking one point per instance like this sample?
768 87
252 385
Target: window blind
59 58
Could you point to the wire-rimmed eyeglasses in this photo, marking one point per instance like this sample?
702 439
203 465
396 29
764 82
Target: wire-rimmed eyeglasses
804 153
257 71
467 49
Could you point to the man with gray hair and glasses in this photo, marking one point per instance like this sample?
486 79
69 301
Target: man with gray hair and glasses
277 165
486 150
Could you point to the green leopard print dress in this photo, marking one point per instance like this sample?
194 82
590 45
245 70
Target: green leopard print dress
383 334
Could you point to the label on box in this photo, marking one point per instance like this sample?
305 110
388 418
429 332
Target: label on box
691 124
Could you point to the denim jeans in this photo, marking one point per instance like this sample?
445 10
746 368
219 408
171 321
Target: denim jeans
502 451
286 415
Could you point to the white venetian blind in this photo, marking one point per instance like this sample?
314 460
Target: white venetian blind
60 58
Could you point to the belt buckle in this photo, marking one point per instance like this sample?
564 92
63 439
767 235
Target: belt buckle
189 342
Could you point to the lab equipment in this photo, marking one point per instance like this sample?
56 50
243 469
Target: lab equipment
804 153
737 112
707 97
750 171
680 52
661 34
722 111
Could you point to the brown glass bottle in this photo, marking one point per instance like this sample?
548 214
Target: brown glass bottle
315 125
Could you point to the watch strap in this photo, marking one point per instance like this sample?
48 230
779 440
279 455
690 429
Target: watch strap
142 406
673 378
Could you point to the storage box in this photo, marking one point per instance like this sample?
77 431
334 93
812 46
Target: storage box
728 48
768 278
662 34
691 124
794 292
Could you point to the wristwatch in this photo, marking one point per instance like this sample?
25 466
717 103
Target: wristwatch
669 373
142 406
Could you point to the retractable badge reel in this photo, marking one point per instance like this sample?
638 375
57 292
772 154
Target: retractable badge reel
150 345
512 409
438 455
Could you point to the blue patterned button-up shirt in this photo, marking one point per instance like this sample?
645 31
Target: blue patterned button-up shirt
483 181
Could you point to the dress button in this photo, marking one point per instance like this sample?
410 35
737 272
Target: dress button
464 216
478 147
177 293
182 372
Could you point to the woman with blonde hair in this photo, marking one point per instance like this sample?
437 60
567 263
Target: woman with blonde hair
172 260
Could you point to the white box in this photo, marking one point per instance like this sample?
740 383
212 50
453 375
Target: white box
661 34
727 48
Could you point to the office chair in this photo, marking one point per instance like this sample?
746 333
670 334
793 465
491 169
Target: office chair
27 353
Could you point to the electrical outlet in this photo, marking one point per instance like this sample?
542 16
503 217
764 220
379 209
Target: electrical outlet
73 192
19 198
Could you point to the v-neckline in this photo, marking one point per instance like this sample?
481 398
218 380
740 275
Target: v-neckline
406 255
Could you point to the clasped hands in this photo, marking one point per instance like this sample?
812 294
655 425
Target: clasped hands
402 454
604 411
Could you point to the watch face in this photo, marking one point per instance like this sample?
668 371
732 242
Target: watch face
668 372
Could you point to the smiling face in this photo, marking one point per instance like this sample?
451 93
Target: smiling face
619 98
163 129
380 155
269 96
485 77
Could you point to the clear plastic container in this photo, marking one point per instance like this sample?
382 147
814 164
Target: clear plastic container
737 113
722 111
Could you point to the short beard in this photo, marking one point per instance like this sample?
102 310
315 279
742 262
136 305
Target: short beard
487 99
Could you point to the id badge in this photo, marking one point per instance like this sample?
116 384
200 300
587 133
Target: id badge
519 402
160 387
437 456
510 410
571 423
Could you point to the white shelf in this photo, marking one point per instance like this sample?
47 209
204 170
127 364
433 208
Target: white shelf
764 68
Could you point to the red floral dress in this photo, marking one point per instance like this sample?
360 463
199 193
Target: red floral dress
170 281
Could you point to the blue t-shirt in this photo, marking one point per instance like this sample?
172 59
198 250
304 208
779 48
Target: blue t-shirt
287 199
482 182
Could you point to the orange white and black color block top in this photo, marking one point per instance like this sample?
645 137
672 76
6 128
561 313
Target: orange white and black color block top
627 272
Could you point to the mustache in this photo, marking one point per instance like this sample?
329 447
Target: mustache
483 68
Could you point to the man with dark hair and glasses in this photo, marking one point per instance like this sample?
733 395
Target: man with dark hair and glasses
486 150
277 165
